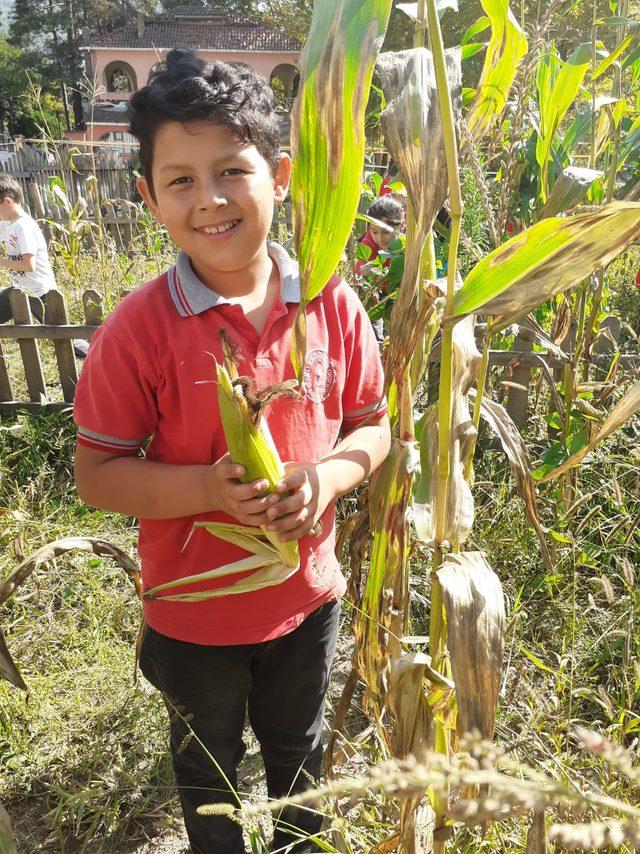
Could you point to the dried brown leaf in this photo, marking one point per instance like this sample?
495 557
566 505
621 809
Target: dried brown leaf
514 447
474 604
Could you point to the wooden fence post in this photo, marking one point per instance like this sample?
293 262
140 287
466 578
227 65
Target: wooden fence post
57 315
518 402
93 308
21 311
6 392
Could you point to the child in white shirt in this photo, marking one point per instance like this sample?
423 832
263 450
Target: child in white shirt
28 259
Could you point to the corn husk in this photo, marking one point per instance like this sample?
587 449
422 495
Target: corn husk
414 136
251 446
459 501
474 604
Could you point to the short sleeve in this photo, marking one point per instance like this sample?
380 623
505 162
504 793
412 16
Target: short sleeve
363 399
115 403
27 237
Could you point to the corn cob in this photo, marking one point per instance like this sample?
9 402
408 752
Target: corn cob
250 444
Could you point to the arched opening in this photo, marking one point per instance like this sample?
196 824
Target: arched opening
120 77
285 79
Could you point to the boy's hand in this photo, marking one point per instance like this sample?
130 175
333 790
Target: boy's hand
246 502
295 515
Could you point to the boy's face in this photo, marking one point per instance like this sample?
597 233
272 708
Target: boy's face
381 236
214 193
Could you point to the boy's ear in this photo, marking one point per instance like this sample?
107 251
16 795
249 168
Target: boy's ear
282 178
145 191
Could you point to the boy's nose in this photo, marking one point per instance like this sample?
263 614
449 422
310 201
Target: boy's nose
211 196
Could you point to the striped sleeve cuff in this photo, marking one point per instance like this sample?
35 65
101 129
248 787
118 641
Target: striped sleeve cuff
110 444
365 415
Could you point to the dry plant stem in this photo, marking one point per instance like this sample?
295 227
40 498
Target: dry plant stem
437 635
482 383
594 62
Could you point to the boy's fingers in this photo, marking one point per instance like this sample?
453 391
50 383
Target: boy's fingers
291 504
246 491
289 522
295 533
295 480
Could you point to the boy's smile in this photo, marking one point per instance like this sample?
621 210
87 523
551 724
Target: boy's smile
215 195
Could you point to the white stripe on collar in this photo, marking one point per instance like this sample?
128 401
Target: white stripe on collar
191 296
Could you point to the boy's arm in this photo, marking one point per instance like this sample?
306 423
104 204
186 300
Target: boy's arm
152 490
27 264
315 485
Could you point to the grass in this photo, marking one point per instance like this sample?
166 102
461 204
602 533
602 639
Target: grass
84 752
85 767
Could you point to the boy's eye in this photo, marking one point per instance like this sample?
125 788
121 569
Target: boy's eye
233 171
181 180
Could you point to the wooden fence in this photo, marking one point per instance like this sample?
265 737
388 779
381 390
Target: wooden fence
56 328
518 363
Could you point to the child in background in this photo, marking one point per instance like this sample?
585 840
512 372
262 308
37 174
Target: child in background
28 259
391 213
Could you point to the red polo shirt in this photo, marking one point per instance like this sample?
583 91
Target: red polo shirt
149 373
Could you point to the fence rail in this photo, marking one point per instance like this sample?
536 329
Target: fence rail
57 329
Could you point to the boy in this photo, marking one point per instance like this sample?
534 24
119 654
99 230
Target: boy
211 173
28 260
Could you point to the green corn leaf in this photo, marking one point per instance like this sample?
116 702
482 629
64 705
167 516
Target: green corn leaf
558 83
507 46
608 61
480 26
552 256
328 140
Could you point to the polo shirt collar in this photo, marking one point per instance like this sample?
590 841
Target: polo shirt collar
191 296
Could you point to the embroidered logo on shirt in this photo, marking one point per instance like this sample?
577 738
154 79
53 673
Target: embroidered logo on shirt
319 376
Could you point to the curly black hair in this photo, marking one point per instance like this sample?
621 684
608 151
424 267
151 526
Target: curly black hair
185 88
387 210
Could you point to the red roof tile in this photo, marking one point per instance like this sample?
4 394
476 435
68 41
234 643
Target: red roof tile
200 28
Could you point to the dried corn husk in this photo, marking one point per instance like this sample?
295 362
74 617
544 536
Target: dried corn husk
627 406
7 841
414 136
385 592
474 605
514 447
459 503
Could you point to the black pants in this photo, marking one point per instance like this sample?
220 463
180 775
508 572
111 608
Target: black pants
37 308
282 683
